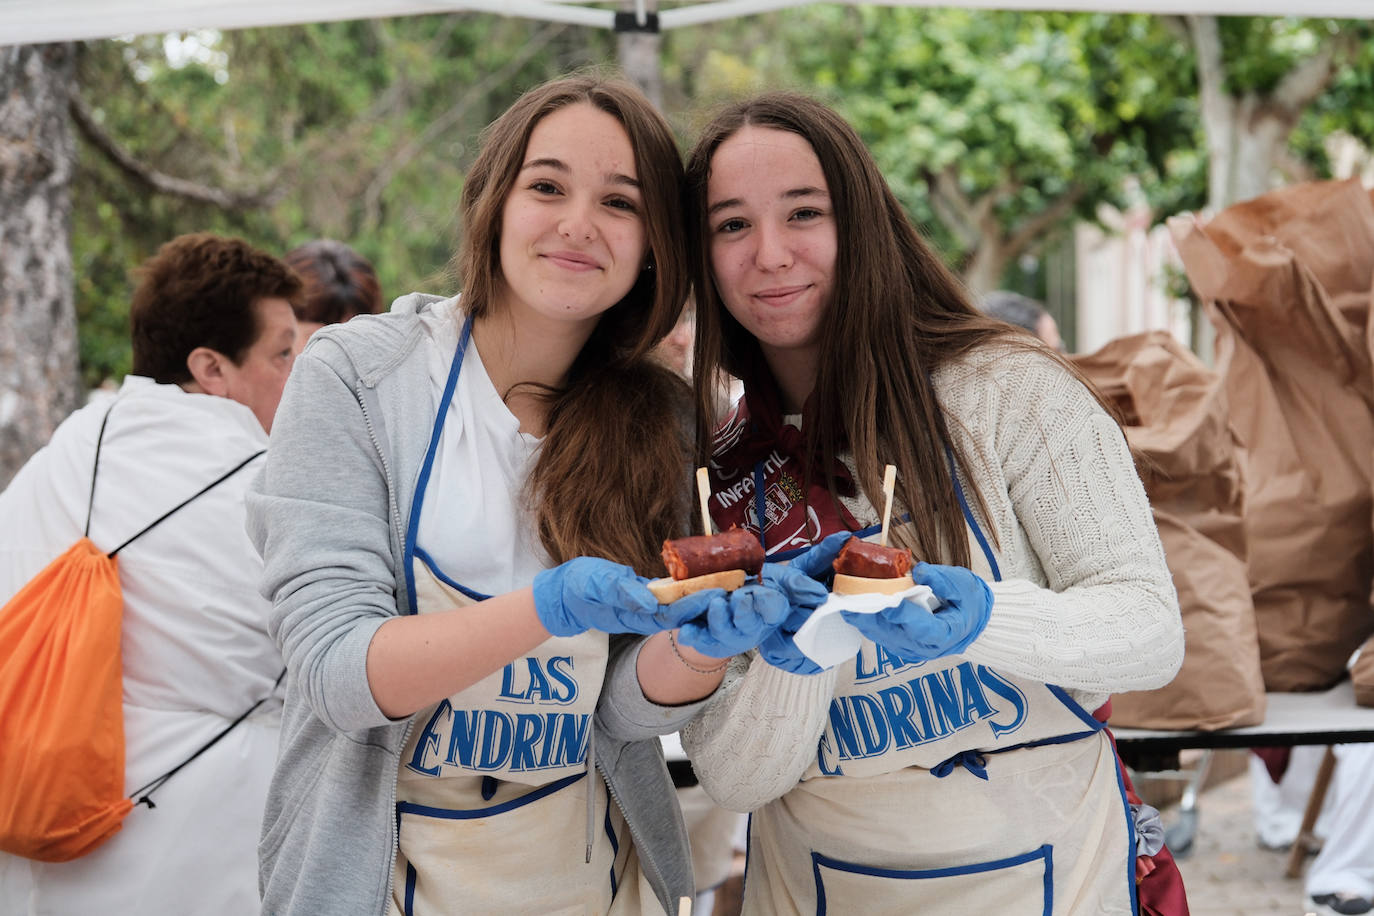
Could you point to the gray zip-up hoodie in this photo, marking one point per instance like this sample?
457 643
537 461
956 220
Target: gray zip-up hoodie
327 515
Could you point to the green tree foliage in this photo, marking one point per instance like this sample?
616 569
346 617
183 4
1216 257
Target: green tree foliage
360 131
996 130
1261 50
1346 108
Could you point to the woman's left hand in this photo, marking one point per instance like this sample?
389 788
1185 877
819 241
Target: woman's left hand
805 594
736 621
915 634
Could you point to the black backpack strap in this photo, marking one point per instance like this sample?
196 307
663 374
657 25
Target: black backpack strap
184 503
95 467
143 795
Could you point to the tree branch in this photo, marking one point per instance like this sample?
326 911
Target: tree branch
1293 167
984 216
1178 25
398 160
144 174
1211 69
1039 224
1217 106
952 206
1306 81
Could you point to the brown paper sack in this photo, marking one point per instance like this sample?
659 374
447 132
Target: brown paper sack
1282 277
1176 419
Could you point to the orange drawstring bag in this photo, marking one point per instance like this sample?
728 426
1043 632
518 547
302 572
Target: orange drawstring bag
62 700
62 725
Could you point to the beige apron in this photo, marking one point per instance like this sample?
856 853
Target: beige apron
895 815
492 792
493 813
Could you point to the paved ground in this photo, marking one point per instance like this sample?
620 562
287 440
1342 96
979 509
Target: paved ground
1226 873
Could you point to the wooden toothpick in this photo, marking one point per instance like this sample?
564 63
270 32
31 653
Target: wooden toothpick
704 495
889 484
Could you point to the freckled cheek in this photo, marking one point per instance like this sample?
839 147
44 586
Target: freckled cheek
635 245
520 225
728 272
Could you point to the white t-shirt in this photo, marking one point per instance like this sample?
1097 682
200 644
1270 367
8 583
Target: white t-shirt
474 522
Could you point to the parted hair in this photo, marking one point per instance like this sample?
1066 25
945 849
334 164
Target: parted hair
611 478
201 290
896 314
338 282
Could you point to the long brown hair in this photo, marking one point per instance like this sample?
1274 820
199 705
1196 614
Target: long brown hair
611 476
895 316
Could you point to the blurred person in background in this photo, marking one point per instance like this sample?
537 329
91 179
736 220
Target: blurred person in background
1024 312
339 284
214 337
675 352
1340 880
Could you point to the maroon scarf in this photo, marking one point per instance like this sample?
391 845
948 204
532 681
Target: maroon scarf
798 507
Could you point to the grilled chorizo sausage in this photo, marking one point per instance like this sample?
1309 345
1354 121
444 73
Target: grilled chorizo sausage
703 554
872 561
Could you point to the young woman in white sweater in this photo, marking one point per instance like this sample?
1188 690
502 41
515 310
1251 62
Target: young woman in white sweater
953 765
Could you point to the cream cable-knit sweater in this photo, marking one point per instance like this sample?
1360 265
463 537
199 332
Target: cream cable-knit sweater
1086 601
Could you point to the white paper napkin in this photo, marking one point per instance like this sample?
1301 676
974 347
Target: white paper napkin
828 639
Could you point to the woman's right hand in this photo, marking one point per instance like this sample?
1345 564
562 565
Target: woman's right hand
589 593
818 560
804 595
816 563
914 634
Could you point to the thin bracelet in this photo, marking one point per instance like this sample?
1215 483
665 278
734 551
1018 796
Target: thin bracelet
691 667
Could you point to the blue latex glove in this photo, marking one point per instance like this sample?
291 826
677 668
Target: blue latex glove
737 621
818 560
914 634
804 595
589 593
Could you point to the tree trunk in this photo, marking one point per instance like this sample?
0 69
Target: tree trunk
39 382
985 269
1246 140
639 55
1247 134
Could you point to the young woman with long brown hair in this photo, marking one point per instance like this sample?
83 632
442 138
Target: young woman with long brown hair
952 766
457 500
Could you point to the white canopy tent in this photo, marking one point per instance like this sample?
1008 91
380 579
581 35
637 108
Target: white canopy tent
36 21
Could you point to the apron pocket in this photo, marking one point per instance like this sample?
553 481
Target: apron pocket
1016 886
522 855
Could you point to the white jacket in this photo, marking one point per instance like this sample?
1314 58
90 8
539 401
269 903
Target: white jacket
196 652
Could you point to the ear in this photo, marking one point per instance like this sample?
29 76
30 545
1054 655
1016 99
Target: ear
207 367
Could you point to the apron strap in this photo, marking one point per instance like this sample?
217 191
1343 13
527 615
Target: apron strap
413 527
968 517
760 506
973 761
